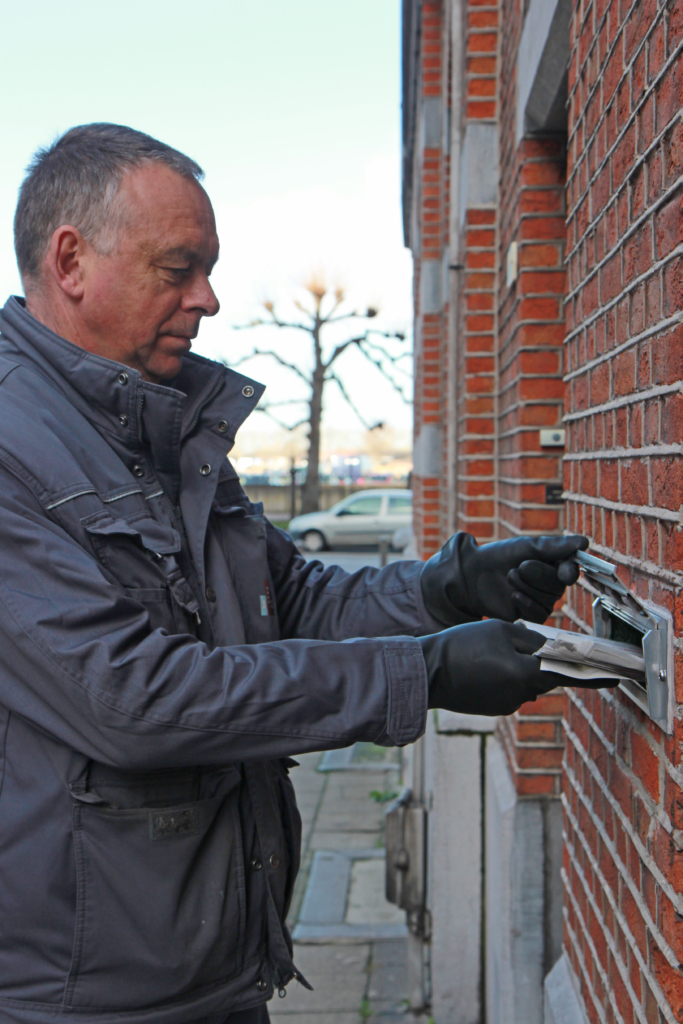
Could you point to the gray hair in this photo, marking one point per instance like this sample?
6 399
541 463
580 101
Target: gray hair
76 181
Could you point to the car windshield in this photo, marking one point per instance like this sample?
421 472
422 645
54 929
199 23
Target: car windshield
369 506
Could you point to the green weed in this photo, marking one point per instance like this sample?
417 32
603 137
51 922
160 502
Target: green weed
383 796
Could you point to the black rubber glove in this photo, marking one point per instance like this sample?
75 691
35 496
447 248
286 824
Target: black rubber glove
508 579
488 668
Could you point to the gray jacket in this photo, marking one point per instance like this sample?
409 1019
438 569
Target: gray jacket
163 651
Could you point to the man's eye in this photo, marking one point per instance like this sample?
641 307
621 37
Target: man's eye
179 270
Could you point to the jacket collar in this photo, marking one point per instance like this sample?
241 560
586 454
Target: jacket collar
116 399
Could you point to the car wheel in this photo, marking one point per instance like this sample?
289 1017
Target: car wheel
313 540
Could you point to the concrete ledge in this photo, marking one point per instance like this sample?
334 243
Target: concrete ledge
427 448
324 906
561 1004
542 61
310 934
478 168
454 722
328 886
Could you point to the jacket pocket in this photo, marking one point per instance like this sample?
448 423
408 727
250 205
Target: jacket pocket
140 553
243 542
160 898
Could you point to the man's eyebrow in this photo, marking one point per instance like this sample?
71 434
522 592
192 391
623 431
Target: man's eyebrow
181 252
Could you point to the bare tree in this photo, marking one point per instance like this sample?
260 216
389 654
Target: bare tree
322 308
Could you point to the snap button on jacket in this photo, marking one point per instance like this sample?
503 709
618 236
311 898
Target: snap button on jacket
164 650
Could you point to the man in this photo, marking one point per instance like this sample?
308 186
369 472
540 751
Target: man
165 650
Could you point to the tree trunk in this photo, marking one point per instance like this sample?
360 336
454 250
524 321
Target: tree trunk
310 494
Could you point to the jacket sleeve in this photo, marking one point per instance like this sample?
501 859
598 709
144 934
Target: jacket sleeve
79 660
322 603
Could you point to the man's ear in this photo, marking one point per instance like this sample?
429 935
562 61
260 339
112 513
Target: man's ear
65 260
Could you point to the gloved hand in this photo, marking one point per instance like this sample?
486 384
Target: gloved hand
508 579
488 668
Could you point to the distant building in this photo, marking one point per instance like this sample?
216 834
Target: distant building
542 189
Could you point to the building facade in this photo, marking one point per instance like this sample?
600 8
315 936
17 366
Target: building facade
543 203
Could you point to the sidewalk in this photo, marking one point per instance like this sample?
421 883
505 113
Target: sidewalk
349 943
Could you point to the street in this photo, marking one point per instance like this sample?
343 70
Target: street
349 942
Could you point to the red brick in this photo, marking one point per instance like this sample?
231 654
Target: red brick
624 373
667 483
672 419
668 227
600 384
667 358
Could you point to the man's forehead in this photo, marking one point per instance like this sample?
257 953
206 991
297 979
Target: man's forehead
158 194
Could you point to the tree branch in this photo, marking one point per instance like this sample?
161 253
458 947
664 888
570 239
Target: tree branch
346 395
385 374
303 309
285 401
394 360
270 323
344 316
342 347
338 300
399 335
273 355
285 426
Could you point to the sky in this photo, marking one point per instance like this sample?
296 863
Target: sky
292 109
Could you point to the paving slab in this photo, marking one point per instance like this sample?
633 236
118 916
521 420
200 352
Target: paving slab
360 757
316 1018
328 888
356 963
366 903
387 993
344 900
339 978
321 840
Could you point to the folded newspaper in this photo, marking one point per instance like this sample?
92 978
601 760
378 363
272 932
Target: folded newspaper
587 657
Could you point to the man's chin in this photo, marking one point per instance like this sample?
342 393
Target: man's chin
162 371
166 365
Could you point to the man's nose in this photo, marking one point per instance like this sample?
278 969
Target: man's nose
201 296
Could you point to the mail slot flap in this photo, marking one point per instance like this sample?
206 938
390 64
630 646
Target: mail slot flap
619 615
621 601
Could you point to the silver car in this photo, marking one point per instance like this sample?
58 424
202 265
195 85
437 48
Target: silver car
363 518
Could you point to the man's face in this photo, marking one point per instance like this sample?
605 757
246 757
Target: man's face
142 304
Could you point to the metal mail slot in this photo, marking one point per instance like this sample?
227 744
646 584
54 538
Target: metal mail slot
619 615
405 834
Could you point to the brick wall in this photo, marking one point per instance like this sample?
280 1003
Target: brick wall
476 379
530 387
531 314
534 745
590 336
622 777
531 320
474 453
455 380
430 327
488 368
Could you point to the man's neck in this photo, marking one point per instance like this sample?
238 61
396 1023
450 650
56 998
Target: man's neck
52 316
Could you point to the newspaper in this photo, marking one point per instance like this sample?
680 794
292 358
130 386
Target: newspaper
587 657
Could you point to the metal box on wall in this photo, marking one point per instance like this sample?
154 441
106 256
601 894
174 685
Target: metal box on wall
619 615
